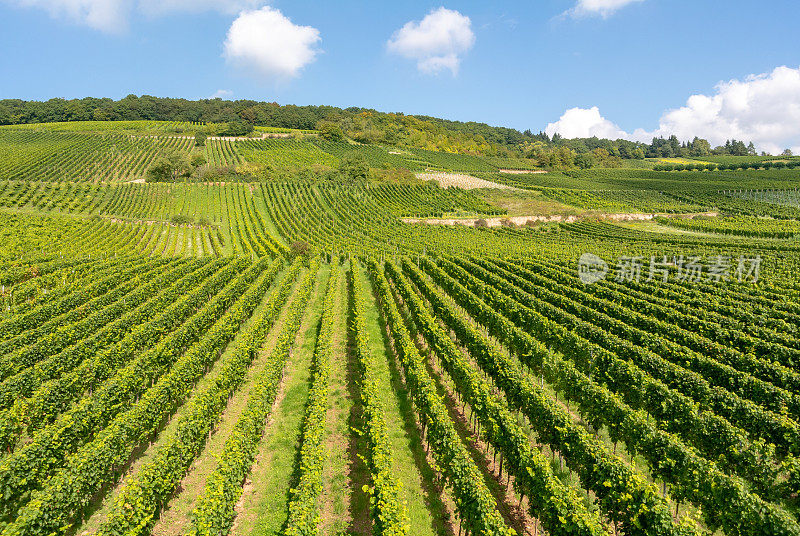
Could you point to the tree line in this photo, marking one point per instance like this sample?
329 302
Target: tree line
368 126
360 124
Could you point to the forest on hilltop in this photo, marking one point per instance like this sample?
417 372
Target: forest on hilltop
368 126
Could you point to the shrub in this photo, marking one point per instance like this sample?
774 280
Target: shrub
354 166
198 160
169 167
204 222
300 249
180 219
330 131
216 173
236 128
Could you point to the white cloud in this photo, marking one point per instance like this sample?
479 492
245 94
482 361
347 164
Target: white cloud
221 94
161 7
764 109
110 16
585 123
437 42
269 43
603 8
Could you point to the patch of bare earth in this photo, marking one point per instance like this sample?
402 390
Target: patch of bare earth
467 182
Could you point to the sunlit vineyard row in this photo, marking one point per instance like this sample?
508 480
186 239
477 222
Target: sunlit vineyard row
738 225
69 156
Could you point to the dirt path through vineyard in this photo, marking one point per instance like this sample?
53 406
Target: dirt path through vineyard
522 220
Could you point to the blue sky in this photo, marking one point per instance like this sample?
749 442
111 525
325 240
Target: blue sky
527 64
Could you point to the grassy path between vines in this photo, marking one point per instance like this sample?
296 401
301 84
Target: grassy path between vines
427 515
175 519
262 509
146 453
637 463
344 506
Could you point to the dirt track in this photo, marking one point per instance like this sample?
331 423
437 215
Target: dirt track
522 220
264 136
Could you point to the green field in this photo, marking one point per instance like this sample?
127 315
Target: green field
263 346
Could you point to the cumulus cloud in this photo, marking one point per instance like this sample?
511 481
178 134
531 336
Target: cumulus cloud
437 42
112 16
267 42
585 123
763 108
603 8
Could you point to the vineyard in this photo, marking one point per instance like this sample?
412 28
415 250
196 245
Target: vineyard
286 356
99 151
738 225
57 156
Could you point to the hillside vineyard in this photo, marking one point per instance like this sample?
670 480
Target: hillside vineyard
283 333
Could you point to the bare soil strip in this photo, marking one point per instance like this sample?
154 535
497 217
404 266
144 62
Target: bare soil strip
522 220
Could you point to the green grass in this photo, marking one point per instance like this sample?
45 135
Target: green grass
344 506
102 506
427 515
267 513
525 203
175 519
